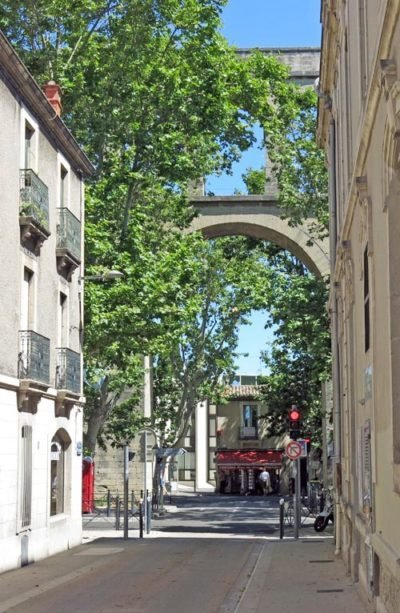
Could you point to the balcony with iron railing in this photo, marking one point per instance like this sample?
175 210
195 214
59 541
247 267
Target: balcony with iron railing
33 208
68 373
248 433
34 357
68 241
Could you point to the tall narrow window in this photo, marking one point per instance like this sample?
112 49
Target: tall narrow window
26 312
63 187
62 321
367 331
25 476
29 147
249 417
249 421
57 469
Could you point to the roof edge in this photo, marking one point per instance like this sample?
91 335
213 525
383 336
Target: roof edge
31 94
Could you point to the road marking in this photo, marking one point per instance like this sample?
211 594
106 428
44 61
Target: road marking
235 597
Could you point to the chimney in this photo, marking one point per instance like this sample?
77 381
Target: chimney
52 92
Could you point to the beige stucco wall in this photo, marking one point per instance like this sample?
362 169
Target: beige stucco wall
359 87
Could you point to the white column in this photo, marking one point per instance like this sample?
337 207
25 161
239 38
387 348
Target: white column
201 438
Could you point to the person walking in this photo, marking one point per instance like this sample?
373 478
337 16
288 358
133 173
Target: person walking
265 481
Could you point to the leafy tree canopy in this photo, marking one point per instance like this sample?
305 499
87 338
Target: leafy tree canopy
158 99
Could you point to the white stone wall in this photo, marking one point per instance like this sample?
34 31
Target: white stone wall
46 534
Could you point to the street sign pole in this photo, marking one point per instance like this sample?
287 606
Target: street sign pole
126 489
297 498
145 477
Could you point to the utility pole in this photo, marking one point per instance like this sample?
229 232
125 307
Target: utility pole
297 498
126 489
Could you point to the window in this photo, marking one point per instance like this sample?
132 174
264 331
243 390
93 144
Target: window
367 334
249 415
26 312
63 187
29 159
25 476
62 321
58 455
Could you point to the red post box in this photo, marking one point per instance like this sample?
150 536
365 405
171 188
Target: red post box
87 485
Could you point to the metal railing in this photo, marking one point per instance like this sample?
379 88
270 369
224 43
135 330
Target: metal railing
34 198
69 233
68 372
34 356
248 432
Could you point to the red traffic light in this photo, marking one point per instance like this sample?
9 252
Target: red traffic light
294 414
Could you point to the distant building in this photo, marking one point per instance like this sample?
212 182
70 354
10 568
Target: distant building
41 246
228 444
359 126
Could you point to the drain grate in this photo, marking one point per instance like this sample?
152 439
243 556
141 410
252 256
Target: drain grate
328 591
321 561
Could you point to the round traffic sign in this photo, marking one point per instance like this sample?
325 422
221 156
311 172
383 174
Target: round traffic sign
293 450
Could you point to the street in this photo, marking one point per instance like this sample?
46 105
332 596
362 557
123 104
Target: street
202 557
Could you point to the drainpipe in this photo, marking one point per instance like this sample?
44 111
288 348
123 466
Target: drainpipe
334 338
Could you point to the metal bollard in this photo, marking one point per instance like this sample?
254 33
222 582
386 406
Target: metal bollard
281 518
117 513
141 518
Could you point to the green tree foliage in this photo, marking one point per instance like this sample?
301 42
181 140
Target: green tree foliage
300 166
221 282
158 99
299 359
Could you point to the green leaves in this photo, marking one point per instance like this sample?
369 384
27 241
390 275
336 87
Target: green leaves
158 99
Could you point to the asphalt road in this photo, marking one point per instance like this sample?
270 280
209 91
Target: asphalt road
208 554
153 576
219 515
206 515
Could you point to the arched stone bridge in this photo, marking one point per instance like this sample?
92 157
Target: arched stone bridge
259 217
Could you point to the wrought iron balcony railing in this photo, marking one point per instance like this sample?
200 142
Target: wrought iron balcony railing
68 233
68 374
34 198
34 357
248 432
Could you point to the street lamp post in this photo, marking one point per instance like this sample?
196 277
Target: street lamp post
108 275
145 431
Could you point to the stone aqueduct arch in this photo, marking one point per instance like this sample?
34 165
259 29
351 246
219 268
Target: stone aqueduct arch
259 217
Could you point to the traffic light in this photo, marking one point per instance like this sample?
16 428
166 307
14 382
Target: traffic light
294 423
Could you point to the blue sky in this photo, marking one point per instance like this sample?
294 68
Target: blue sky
263 23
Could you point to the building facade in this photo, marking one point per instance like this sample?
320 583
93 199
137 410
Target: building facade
228 445
41 245
359 121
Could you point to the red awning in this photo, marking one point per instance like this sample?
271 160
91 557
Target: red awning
249 458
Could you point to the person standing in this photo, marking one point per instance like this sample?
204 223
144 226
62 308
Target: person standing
265 481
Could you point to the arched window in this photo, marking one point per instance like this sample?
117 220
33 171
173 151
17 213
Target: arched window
59 445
